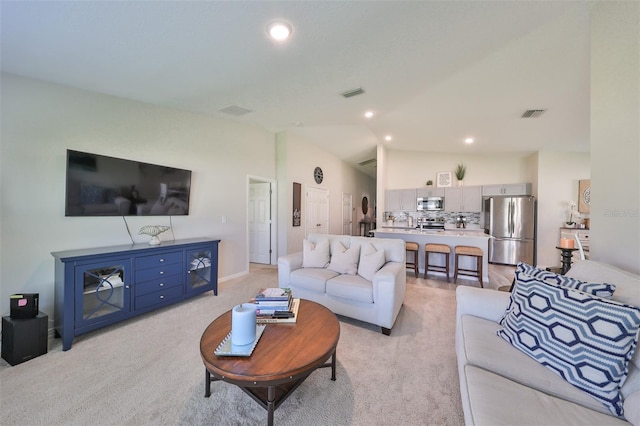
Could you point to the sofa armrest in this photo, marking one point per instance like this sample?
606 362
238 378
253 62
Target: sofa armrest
286 265
481 302
389 289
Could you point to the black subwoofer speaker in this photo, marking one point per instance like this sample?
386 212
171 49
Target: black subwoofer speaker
24 339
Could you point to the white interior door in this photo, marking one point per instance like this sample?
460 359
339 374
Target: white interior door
317 211
347 214
260 222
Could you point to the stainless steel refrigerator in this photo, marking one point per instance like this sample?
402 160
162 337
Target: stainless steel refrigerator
511 223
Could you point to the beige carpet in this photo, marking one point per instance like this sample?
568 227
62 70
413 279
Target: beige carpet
148 371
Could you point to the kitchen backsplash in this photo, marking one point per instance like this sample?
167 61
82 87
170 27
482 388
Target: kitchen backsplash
472 218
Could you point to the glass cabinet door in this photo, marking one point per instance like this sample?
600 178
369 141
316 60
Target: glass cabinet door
103 291
199 268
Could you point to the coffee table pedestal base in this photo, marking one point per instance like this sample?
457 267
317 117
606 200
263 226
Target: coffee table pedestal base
269 397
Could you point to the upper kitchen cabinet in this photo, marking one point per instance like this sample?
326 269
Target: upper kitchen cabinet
430 192
509 189
463 199
400 199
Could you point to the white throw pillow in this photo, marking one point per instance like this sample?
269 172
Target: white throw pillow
371 260
315 255
344 260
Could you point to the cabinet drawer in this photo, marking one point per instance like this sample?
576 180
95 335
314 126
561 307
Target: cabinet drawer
144 262
163 283
158 297
159 272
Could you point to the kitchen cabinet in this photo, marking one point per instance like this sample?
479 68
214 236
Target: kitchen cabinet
463 199
429 192
507 189
100 286
400 200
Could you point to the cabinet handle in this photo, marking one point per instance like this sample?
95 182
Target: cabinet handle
161 260
161 272
126 286
161 284
161 297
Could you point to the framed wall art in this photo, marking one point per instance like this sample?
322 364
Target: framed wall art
443 179
584 196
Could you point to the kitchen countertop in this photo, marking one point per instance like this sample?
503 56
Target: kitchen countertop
446 233
451 237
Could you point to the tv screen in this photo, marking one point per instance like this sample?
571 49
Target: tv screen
98 185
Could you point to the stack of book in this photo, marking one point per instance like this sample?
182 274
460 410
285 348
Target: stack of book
275 305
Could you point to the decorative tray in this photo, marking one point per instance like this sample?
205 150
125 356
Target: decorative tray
225 348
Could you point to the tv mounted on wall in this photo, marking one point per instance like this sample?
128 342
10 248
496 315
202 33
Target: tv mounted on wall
98 185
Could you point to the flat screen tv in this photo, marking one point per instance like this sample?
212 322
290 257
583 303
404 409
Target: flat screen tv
98 185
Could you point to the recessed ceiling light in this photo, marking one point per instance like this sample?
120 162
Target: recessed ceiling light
469 141
388 138
368 114
279 30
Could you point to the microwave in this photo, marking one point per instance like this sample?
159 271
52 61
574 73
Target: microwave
430 204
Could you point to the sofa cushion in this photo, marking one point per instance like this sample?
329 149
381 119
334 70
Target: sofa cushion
312 278
344 260
482 347
371 260
352 287
315 255
585 339
632 408
495 400
603 290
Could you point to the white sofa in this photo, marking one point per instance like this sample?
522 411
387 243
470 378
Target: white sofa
500 385
376 301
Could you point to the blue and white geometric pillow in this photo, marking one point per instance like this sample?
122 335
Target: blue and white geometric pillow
585 339
597 289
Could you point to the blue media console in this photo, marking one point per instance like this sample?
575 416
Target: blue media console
100 286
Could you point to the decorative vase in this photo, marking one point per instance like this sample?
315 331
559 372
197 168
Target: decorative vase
460 183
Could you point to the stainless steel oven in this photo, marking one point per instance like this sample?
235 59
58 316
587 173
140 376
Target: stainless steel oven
430 204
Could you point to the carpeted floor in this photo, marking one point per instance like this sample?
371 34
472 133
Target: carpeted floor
148 371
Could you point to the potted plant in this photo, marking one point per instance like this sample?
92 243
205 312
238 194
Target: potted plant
461 169
572 213
429 182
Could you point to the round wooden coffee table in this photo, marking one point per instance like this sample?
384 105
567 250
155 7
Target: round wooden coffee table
284 357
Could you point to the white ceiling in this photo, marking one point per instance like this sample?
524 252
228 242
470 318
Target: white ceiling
434 72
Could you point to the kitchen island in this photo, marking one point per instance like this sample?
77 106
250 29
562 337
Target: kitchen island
450 237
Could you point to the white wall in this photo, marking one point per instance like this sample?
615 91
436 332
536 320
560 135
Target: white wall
40 121
615 134
297 158
409 169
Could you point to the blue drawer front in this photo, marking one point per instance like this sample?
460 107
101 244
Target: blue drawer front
159 297
159 272
144 262
163 283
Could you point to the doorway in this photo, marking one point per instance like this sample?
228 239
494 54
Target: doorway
347 214
317 203
260 221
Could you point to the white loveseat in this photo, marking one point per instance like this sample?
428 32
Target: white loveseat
500 385
376 299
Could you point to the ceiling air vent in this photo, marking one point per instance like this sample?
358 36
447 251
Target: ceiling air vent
367 162
352 92
533 113
235 110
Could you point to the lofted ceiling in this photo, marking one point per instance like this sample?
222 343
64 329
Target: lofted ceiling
434 72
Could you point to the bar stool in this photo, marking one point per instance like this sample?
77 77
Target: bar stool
437 249
412 247
471 252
